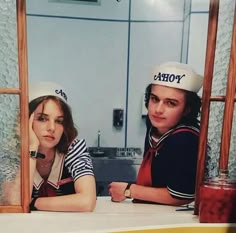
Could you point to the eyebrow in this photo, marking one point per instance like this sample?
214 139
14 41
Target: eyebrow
175 100
44 114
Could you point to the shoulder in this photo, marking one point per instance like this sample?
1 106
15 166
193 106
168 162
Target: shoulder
184 133
186 130
77 145
183 136
78 160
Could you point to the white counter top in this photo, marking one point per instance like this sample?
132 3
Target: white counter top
107 217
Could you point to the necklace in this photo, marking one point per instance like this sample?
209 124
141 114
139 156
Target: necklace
46 165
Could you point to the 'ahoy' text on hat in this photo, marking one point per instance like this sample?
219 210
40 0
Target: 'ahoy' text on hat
165 77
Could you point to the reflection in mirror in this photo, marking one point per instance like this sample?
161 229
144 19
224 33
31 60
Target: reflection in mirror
103 54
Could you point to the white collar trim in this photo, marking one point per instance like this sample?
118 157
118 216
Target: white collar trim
55 174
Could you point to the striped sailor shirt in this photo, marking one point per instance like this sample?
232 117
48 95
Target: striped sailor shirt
66 169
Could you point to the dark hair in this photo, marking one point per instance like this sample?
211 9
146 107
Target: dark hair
70 132
193 103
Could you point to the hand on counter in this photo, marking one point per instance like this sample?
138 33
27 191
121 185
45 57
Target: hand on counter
116 191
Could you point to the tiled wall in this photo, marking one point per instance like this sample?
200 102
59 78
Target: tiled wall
103 56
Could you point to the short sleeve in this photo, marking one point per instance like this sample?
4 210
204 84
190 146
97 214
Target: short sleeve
78 160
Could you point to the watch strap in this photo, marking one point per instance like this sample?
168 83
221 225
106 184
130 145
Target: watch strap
35 154
32 204
127 191
128 186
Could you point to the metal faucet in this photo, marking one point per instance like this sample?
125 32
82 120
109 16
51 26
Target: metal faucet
98 151
99 134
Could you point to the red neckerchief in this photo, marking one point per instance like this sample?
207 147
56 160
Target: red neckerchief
46 190
145 172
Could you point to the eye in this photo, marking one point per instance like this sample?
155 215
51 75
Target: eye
59 121
154 99
171 103
42 118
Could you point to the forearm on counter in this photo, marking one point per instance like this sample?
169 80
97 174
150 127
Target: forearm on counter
73 202
157 195
84 200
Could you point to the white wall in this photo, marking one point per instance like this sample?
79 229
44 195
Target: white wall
198 34
103 57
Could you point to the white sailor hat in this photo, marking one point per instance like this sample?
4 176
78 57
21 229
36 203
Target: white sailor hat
41 89
177 75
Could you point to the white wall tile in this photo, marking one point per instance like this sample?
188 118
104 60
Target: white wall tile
200 5
109 9
157 10
90 60
197 41
151 44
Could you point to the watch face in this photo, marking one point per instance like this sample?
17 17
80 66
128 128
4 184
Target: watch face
33 154
127 192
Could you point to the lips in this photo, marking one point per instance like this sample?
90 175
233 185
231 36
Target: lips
49 137
158 118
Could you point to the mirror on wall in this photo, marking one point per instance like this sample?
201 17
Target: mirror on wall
102 54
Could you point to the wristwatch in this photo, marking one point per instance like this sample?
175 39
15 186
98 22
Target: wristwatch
36 154
127 192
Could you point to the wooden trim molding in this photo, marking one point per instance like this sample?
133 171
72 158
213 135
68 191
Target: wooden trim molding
22 91
24 112
207 86
229 100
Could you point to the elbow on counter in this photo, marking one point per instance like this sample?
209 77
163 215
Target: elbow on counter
89 204
90 207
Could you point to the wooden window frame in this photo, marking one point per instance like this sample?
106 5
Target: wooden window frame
22 91
229 99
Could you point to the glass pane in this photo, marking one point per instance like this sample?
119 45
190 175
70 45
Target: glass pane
223 45
222 57
8 44
232 152
10 149
214 137
214 140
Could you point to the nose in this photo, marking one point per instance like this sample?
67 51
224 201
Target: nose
159 107
51 126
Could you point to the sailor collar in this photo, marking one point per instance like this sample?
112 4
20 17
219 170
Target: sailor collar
55 174
165 135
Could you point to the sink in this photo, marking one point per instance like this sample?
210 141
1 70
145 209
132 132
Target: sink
116 152
98 153
127 157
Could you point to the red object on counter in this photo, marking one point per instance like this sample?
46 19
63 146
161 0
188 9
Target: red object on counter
218 201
